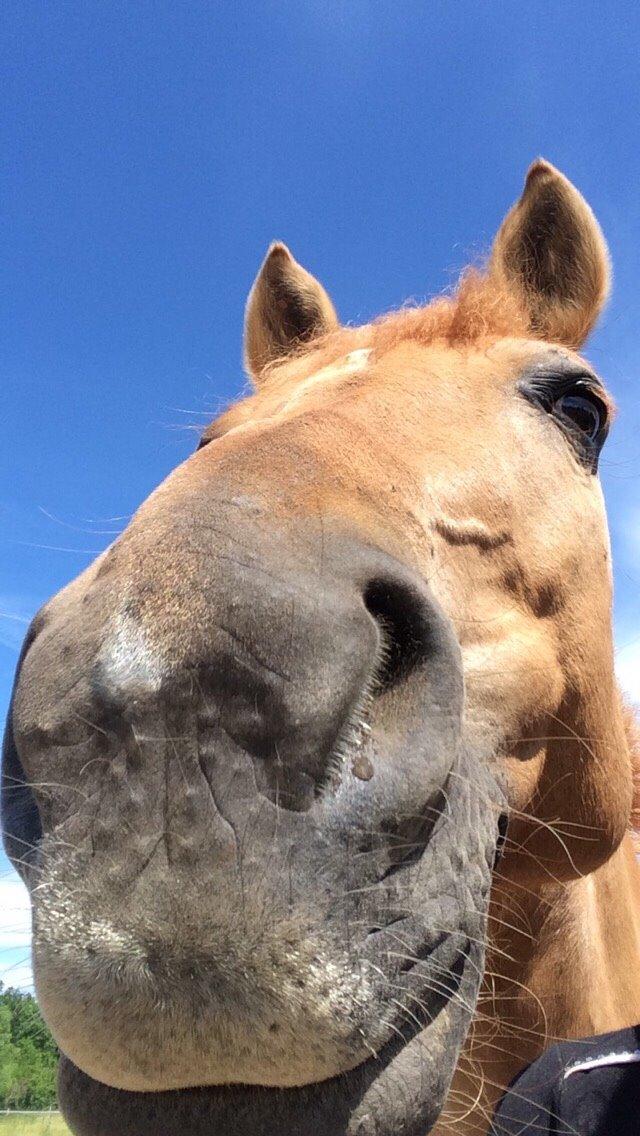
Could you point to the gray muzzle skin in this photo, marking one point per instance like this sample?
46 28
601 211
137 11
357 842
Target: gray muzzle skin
399 1092
384 836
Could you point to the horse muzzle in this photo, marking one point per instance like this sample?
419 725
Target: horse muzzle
254 850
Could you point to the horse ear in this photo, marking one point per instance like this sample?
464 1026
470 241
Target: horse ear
551 250
286 306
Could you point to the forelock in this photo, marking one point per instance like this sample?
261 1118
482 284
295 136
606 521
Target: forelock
479 311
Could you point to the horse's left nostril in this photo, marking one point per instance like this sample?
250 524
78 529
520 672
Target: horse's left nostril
399 610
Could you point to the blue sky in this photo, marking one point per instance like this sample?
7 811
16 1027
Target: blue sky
154 150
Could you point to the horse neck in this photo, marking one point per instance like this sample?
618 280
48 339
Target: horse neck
573 947
563 961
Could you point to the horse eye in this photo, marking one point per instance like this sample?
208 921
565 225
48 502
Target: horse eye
585 411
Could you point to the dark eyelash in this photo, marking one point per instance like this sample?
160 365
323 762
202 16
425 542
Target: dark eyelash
553 386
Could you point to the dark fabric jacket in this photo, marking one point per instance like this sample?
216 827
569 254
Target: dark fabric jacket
577 1088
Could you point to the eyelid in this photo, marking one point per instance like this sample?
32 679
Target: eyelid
548 394
548 384
211 434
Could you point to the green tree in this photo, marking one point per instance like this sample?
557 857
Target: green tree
8 1062
28 1053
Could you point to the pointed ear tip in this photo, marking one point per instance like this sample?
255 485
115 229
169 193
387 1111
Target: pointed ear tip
278 251
541 169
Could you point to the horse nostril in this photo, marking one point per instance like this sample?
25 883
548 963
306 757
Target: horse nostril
399 611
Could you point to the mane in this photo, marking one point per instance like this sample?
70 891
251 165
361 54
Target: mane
479 310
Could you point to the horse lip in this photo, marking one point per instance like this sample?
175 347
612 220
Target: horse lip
348 1104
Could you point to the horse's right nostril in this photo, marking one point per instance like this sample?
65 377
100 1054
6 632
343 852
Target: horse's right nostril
402 616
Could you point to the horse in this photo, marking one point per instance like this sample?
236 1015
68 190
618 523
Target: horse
319 776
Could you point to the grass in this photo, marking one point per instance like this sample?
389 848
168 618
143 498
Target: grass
51 1124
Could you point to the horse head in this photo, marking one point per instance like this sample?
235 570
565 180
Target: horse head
262 752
